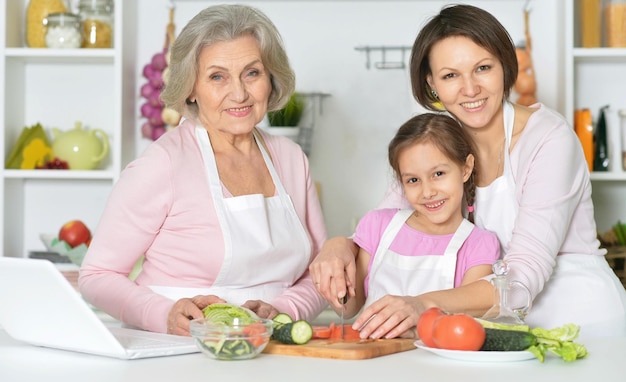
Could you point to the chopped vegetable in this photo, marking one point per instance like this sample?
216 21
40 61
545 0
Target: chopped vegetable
297 332
227 349
559 341
227 313
349 334
282 318
321 332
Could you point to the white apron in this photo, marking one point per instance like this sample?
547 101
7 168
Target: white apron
571 293
399 275
496 206
266 248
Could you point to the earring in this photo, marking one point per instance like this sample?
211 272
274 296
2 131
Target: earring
434 93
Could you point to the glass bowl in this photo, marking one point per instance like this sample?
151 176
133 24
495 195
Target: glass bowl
238 340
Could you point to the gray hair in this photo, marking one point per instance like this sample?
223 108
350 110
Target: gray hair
226 23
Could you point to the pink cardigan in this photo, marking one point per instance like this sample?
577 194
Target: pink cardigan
162 207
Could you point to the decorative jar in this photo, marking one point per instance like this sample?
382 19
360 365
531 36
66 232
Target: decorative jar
97 20
64 31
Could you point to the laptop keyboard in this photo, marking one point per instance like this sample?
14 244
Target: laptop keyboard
147 340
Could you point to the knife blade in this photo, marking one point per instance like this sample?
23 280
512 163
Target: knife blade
343 301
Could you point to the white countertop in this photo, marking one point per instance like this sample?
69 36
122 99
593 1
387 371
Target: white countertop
20 362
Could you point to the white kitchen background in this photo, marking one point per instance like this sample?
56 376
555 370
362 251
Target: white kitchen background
365 106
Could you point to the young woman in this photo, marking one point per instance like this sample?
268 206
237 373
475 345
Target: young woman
533 190
429 246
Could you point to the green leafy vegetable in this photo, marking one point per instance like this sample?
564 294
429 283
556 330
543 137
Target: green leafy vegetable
226 314
558 341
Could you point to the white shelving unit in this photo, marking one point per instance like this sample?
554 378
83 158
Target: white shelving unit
57 87
593 79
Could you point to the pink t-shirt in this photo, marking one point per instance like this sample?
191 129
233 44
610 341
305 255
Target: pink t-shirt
480 248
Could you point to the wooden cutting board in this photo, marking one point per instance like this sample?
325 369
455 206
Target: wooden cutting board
339 349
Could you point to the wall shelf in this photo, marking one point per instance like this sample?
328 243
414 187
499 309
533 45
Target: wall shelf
313 109
391 57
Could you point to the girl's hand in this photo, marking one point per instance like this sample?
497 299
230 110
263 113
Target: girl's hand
390 317
333 270
185 310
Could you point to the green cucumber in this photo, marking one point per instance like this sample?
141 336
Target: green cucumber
226 349
507 340
297 332
282 318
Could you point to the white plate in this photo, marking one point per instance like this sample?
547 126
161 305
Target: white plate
479 356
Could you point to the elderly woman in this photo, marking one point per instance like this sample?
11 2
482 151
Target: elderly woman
222 211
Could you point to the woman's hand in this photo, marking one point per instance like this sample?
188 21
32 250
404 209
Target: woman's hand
333 271
185 310
262 309
390 317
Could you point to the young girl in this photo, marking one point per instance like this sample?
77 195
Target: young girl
430 246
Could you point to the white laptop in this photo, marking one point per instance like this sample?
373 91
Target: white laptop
40 307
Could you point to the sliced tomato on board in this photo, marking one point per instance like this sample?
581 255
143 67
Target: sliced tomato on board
321 332
349 334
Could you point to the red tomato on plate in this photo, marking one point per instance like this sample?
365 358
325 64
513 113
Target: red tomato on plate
458 332
425 325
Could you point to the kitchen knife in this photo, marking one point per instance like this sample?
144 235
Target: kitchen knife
344 300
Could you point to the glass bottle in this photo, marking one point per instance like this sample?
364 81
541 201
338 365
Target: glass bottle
501 312
36 14
601 156
622 116
97 20
64 31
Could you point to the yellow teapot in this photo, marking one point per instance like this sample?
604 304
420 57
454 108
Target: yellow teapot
81 149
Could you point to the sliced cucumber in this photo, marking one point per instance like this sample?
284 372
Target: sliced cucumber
298 332
282 318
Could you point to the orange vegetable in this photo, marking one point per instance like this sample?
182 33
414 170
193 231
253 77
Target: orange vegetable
321 332
349 334
254 331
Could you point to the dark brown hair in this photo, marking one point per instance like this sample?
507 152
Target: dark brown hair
468 21
447 135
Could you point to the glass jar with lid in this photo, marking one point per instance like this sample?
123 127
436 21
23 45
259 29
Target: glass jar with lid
63 31
97 21
615 22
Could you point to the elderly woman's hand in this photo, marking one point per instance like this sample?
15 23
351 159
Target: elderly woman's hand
334 270
262 309
185 310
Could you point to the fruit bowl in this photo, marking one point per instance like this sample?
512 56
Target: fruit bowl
238 340
53 244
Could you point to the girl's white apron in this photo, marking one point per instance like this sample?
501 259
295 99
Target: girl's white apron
266 248
399 275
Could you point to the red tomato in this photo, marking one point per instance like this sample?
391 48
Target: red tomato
321 332
458 332
349 334
254 333
425 325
